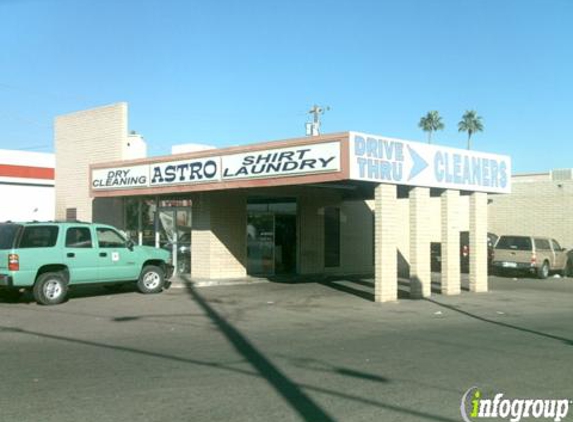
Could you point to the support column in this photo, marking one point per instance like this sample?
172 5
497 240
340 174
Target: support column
478 242
218 239
201 237
420 274
451 280
385 247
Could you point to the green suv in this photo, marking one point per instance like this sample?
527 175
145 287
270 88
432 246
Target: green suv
47 258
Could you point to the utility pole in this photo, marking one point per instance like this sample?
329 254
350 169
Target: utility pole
313 128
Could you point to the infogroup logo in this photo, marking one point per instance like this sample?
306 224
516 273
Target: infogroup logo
475 407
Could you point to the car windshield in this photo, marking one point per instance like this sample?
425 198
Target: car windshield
519 243
7 235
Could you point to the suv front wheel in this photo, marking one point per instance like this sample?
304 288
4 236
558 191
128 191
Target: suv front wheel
50 289
151 280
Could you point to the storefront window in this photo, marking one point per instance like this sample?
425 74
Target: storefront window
148 211
132 218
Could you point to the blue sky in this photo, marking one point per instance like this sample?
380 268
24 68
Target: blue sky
236 72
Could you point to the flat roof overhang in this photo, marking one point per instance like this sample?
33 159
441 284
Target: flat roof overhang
305 178
341 157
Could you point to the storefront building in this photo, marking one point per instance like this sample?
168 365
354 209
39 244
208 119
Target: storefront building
345 203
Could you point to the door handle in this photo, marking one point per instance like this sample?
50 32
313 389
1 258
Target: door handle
71 255
103 254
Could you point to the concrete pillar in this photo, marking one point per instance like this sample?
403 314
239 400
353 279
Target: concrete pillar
451 280
385 249
218 239
420 274
478 242
201 237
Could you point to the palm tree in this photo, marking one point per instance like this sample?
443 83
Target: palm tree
430 123
470 123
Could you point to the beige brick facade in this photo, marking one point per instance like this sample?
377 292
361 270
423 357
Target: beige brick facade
451 280
84 138
218 248
386 223
536 207
420 276
478 242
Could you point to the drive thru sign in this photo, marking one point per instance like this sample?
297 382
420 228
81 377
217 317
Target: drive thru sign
388 160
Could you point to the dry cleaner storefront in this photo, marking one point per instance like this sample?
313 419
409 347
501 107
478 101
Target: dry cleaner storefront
332 204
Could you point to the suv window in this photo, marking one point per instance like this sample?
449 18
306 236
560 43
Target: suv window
518 243
556 246
78 237
542 244
108 238
7 235
39 237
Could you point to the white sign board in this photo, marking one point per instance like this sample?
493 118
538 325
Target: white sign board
304 159
270 163
386 160
120 177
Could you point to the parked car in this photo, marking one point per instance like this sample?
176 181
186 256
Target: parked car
535 255
436 252
47 258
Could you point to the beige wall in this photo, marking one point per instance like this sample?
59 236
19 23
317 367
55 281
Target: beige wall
84 138
219 244
536 208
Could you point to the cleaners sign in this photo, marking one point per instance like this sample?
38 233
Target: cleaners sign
387 160
306 159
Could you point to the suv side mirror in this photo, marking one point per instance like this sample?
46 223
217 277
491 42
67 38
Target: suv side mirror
129 244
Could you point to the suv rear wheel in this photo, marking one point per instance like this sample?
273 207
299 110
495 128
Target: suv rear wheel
543 271
50 289
151 280
568 271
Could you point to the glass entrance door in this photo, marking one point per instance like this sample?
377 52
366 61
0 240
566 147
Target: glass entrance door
174 229
271 236
260 244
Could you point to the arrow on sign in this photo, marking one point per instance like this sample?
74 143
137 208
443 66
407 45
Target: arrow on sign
419 163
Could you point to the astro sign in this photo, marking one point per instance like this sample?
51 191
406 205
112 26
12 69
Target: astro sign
387 160
300 160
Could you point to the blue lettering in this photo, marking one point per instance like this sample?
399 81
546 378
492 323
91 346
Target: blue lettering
494 173
359 145
439 166
372 147
503 174
467 173
485 173
476 171
457 169
362 167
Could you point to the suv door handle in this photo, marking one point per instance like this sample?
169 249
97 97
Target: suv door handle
103 254
71 255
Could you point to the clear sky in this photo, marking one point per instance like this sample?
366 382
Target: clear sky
236 72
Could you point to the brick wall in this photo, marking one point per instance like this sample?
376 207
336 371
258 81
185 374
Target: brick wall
536 208
84 138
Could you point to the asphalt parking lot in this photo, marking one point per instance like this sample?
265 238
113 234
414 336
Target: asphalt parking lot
316 351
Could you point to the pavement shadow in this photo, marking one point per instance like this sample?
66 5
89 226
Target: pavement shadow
307 408
567 341
322 366
291 392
